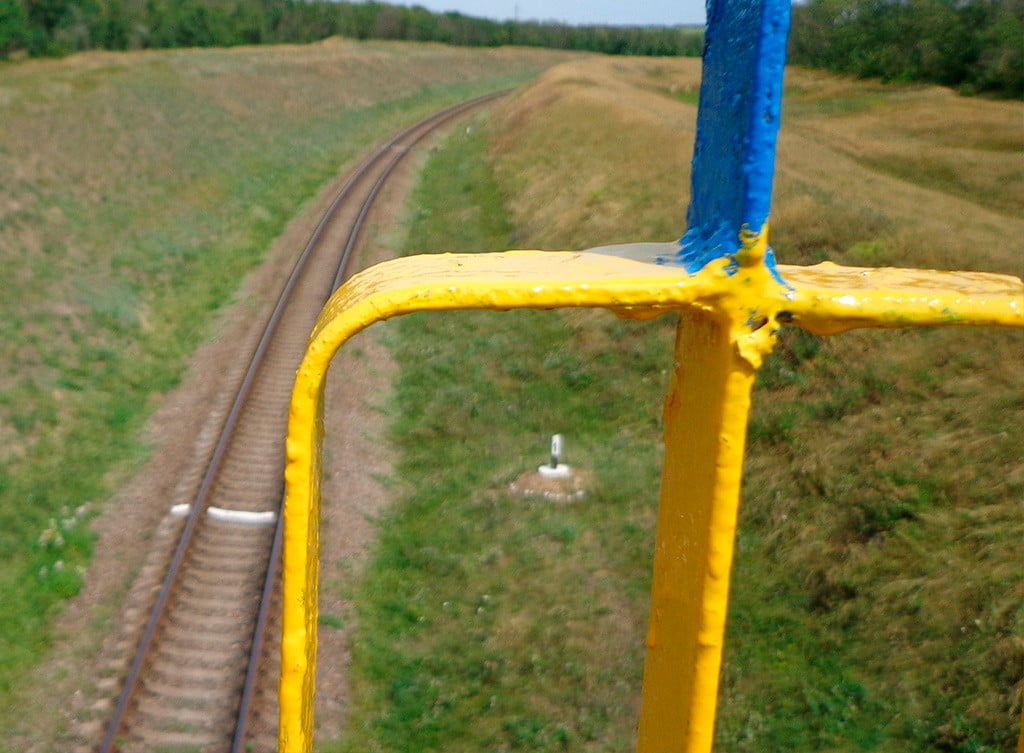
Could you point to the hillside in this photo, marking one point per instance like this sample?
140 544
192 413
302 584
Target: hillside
878 586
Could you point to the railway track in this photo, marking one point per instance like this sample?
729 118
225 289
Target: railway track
193 677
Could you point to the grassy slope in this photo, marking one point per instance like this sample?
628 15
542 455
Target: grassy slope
878 592
135 192
485 610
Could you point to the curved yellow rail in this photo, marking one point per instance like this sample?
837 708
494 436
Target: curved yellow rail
730 317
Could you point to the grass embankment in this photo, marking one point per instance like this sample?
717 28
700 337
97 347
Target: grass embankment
136 190
878 586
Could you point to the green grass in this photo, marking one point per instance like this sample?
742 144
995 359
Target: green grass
806 101
443 659
686 96
877 591
481 614
946 177
121 240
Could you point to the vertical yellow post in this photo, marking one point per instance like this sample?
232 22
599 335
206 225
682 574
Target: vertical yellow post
706 411
705 426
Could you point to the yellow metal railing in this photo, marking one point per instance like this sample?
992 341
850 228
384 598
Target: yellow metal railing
719 347
732 298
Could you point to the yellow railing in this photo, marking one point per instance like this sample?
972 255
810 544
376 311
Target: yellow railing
732 300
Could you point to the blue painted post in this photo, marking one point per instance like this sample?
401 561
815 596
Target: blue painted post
737 127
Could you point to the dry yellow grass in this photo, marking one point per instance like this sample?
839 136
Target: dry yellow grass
589 113
579 175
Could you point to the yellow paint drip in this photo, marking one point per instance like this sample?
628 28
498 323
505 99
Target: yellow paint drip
728 325
753 246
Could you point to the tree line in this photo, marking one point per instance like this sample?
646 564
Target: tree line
974 45
58 27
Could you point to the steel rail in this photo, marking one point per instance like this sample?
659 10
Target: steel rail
258 633
202 497
434 122
427 127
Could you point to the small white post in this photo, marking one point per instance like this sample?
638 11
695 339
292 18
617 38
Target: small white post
557 443
556 469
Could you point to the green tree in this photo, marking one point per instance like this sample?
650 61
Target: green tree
1000 66
976 45
80 26
114 31
13 27
59 26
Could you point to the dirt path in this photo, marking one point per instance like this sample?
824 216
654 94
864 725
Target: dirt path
66 704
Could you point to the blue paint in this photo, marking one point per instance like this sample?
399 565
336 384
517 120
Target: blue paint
737 129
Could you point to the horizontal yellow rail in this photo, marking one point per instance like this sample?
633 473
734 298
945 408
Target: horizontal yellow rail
825 298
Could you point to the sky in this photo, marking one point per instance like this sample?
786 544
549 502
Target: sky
617 12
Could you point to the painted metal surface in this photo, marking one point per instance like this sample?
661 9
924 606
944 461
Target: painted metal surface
740 313
705 432
737 127
723 279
